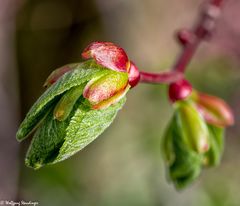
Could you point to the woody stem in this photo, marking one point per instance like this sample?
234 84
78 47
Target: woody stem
197 34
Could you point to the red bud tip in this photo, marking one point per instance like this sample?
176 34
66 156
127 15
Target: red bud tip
179 90
56 74
185 36
214 110
107 55
133 75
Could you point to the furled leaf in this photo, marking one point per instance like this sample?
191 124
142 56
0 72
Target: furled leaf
112 100
85 126
81 74
213 156
57 73
66 103
167 144
194 129
47 140
105 87
186 166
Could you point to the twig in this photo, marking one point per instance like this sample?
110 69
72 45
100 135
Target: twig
190 41
164 77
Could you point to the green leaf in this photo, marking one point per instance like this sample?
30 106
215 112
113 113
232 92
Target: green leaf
218 133
65 105
187 164
48 140
213 156
193 127
56 140
167 144
80 75
85 126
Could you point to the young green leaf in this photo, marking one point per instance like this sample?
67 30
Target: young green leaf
167 144
186 166
66 103
47 141
57 73
194 129
85 126
80 75
213 156
57 140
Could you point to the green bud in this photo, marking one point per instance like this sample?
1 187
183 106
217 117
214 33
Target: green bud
184 164
193 127
66 103
214 154
167 144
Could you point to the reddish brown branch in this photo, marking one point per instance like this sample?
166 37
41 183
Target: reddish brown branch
203 28
164 77
190 41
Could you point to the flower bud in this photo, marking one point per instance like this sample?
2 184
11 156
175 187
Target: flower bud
214 110
108 55
179 90
112 57
194 130
100 90
184 164
112 100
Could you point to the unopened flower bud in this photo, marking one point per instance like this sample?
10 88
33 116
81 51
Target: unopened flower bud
104 88
108 55
194 129
183 162
179 90
112 57
66 103
214 110
112 100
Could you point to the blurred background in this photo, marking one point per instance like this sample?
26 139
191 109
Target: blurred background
124 166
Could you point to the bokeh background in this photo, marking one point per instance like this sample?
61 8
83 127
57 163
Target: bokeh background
124 166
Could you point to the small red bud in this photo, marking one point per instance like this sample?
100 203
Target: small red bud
179 90
134 75
185 36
